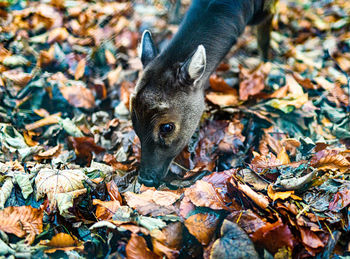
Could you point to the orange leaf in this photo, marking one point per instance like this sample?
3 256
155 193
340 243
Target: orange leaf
22 221
330 159
274 236
161 249
203 194
125 90
79 72
218 84
310 238
112 161
63 241
113 191
278 195
137 248
50 153
58 34
202 226
259 199
49 120
111 60
84 147
28 138
223 99
252 83
283 156
105 209
78 96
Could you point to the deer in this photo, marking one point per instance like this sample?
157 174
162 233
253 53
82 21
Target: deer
169 96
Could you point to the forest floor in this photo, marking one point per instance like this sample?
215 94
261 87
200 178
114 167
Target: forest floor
270 160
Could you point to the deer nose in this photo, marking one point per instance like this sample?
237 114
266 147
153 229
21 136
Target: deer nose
149 181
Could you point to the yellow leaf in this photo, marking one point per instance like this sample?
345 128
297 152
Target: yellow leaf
278 195
283 156
79 72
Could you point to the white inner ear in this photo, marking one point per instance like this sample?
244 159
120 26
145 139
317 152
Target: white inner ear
198 62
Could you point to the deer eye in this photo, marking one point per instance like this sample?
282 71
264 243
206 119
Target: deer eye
166 128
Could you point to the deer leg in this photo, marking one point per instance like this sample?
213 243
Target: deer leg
264 31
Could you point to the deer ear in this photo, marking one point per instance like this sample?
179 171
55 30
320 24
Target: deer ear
147 49
194 67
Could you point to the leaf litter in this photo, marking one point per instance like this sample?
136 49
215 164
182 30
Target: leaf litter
268 170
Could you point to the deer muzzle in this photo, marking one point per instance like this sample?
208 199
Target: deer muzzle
153 171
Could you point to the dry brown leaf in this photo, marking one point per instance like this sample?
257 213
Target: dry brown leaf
310 238
186 206
113 191
330 159
251 83
137 248
51 182
78 96
202 226
126 89
111 60
24 221
260 163
146 203
49 120
84 147
259 199
50 153
218 84
114 75
17 77
80 70
274 236
105 209
223 99
162 250
203 194
57 35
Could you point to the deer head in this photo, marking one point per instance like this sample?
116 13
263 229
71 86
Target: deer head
166 107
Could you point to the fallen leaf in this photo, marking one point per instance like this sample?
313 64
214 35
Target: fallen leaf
233 243
274 195
78 96
63 242
223 99
80 70
310 238
57 35
202 226
203 194
105 209
137 248
145 204
113 191
251 83
49 120
24 221
330 159
274 236
218 84
50 153
51 182
84 147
